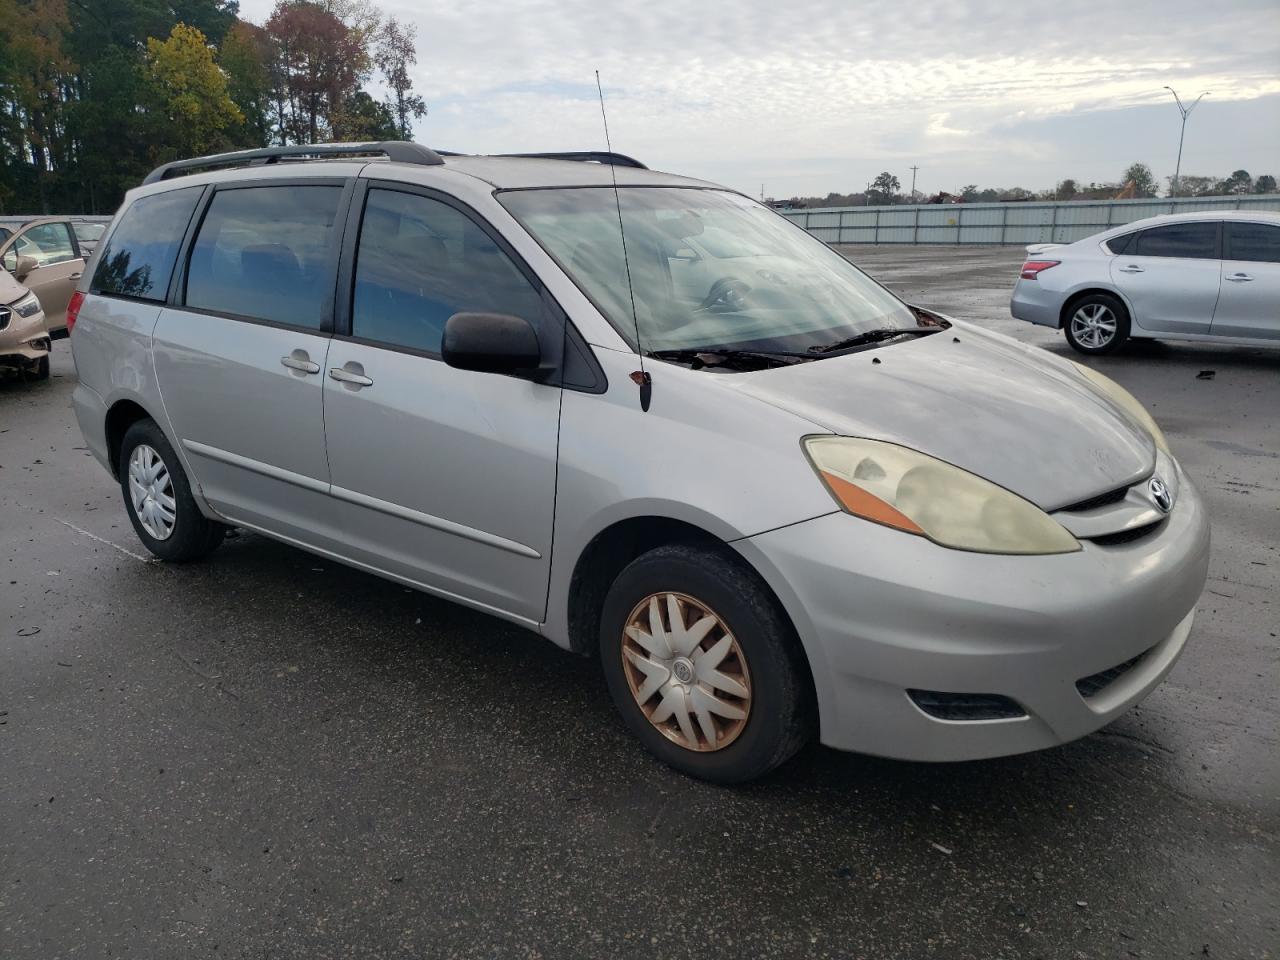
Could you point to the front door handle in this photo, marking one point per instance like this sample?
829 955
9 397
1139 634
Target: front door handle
75 276
300 360
1131 268
351 375
1239 277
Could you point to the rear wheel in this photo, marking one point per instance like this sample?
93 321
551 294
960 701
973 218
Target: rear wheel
1098 323
158 498
703 666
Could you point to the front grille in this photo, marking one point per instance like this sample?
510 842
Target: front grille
965 706
1094 684
1127 536
1101 500
5 313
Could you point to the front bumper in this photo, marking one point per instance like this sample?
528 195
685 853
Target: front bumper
881 612
1033 303
23 338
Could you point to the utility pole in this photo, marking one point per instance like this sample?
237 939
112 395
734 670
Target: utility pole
913 183
1186 112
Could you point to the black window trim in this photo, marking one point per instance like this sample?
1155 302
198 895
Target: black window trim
1217 246
178 285
104 243
554 315
1227 250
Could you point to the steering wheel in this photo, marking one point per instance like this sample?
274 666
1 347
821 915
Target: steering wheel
727 293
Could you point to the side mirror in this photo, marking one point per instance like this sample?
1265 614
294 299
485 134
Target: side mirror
490 343
25 266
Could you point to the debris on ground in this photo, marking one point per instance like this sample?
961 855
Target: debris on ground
1206 374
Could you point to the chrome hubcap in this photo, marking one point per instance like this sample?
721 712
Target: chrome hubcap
151 490
1093 325
686 671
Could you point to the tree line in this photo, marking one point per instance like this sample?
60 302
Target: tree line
95 93
1136 182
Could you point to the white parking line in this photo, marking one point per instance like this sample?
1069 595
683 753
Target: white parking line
94 536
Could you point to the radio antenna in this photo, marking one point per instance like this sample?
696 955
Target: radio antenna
640 377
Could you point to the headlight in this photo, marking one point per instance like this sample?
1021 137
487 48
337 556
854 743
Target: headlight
906 490
28 306
1126 400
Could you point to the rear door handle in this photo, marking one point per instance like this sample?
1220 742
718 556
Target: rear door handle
1239 277
1132 268
299 360
75 276
351 374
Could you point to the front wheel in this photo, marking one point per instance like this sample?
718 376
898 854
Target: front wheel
703 665
1098 323
158 498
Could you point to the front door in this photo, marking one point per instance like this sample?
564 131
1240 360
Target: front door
240 362
444 477
58 267
1249 304
1171 276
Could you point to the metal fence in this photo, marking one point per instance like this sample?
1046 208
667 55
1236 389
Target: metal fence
1020 223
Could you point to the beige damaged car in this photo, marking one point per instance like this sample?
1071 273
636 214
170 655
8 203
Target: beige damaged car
45 254
24 341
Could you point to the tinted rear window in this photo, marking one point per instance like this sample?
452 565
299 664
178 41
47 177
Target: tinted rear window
1191 241
1121 244
267 253
139 256
1259 242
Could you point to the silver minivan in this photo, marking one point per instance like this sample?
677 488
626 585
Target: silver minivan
651 420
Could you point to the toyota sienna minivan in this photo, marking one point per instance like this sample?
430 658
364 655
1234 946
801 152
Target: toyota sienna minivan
653 421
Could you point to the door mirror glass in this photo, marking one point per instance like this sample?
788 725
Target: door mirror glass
490 343
25 266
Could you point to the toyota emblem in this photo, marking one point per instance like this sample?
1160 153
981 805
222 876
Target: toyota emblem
1160 494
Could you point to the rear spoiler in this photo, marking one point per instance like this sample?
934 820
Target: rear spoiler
1043 247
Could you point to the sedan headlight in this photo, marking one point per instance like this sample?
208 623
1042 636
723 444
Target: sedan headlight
901 488
28 306
1127 401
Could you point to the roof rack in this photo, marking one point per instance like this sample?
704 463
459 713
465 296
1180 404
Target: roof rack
585 156
397 150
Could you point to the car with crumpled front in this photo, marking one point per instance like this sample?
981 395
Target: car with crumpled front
24 342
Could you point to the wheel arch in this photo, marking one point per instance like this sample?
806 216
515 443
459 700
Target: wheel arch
1069 304
121 415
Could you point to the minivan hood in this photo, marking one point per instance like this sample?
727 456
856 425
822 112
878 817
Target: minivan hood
1013 414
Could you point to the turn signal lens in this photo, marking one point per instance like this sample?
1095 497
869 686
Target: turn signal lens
1126 401
73 310
1033 268
909 491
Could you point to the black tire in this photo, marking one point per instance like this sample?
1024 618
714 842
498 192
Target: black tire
193 535
780 717
1085 337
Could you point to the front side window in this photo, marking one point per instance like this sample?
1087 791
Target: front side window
709 269
419 262
48 243
267 253
1197 240
1257 242
140 253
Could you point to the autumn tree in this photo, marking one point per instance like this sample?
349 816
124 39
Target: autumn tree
322 62
191 91
396 53
248 58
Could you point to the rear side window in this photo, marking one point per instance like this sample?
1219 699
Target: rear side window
1258 242
138 259
1188 241
267 253
1120 245
421 261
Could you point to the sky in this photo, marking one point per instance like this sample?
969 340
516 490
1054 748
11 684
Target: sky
806 97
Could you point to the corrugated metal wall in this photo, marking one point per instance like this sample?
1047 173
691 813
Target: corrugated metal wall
1013 223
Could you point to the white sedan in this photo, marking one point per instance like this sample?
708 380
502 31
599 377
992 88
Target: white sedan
1212 276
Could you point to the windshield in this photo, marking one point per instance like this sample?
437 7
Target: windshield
710 269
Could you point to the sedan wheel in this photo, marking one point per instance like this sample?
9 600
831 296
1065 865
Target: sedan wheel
1094 325
686 671
151 489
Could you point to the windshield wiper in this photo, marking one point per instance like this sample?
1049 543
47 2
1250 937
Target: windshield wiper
874 336
694 355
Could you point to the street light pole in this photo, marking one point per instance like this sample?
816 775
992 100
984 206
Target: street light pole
913 183
1186 112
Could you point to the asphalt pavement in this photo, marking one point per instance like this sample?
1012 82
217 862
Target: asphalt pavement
267 755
